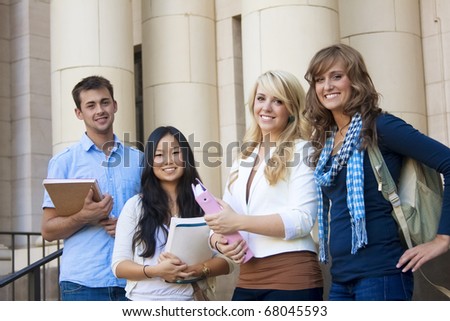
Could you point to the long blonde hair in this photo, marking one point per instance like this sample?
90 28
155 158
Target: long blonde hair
287 88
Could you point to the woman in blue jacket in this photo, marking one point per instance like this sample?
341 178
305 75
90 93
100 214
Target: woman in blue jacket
368 260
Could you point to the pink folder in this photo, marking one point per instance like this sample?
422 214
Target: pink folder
209 204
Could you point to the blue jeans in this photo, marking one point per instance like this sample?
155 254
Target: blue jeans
75 292
395 287
241 294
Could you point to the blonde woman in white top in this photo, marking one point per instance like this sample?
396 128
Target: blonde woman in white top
271 198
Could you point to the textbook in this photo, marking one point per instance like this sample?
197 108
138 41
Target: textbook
68 194
188 240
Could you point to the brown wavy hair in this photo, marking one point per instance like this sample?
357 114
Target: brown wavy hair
364 97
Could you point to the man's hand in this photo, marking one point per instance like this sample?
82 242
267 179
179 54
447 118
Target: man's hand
109 224
94 212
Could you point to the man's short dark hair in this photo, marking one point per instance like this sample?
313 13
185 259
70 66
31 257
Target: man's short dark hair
88 83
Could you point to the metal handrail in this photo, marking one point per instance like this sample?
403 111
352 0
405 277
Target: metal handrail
34 275
30 268
33 270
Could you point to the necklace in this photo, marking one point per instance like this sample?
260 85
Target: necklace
339 138
341 130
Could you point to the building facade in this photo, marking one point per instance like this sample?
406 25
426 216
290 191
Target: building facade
190 64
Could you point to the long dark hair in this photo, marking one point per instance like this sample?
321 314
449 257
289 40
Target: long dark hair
155 201
364 97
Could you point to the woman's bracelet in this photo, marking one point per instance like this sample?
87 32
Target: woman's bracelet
206 271
143 270
217 248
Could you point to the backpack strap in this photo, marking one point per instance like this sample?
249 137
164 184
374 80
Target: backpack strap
440 288
387 186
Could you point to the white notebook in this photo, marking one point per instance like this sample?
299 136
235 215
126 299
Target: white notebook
188 240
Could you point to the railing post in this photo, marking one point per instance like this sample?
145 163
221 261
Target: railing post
34 285
35 276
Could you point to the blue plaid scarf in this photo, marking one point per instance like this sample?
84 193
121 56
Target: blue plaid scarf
350 155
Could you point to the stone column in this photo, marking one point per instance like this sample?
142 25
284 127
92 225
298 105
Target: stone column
229 79
435 15
285 35
29 101
5 118
179 76
387 33
91 37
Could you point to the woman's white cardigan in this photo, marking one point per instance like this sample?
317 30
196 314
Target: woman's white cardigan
294 199
154 289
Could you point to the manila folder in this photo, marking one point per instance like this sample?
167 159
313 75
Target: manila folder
68 194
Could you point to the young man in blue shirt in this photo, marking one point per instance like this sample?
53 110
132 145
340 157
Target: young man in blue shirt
85 272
